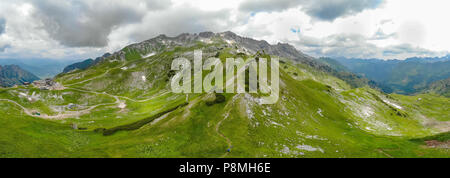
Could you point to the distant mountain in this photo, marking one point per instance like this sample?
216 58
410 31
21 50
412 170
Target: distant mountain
342 72
11 75
43 68
441 87
333 64
428 59
402 76
84 64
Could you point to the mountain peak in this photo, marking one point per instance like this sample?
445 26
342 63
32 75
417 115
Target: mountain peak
206 34
230 39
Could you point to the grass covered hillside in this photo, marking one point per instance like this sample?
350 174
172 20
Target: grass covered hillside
123 107
441 87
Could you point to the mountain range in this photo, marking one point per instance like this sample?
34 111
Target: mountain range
42 68
409 76
121 105
11 75
84 64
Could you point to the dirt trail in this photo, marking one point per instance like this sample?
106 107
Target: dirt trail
384 153
98 76
72 114
93 78
68 114
438 144
223 136
117 97
144 100
101 75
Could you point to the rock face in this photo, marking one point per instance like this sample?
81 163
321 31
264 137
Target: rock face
280 49
163 42
248 44
48 84
11 75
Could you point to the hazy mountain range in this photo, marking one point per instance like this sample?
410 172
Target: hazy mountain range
43 68
408 76
11 75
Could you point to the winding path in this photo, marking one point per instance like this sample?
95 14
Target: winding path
101 75
98 76
68 114
71 114
223 136
117 97
93 78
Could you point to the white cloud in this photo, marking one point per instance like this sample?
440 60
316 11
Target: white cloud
81 29
397 29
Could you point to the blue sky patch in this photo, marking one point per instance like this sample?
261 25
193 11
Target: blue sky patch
295 30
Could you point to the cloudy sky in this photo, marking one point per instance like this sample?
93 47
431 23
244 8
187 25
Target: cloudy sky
79 29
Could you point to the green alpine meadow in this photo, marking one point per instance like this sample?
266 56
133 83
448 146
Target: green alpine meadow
121 105
224 87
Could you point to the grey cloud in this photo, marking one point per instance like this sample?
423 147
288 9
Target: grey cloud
336 45
2 25
3 44
89 23
268 5
181 20
157 4
3 47
386 21
256 31
327 10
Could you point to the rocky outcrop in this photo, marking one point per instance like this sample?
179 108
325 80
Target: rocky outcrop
48 84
